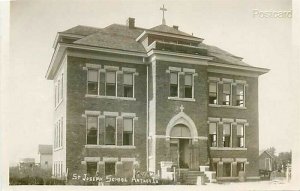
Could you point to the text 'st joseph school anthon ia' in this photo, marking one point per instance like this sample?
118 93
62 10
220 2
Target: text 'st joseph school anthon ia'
131 98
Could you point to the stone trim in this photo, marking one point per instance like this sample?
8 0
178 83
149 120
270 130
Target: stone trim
241 159
227 106
128 159
110 146
109 113
241 120
227 120
216 159
227 160
91 159
110 159
115 68
181 99
93 66
244 82
88 112
228 148
203 138
110 97
226 80
189 70
177 69
214 79
214 119
124 114
126 69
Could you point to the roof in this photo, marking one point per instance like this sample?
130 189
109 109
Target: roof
45 149
115 37
266 151
168 29
81 30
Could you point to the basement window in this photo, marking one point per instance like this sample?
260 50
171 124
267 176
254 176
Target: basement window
110 168
91 168
226 169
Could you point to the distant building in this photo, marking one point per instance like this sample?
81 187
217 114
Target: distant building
45 154
267 161
26 163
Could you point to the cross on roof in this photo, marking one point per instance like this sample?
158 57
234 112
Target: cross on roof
163 9
181 108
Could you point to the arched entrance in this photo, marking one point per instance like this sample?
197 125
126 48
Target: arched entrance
182 134
180 146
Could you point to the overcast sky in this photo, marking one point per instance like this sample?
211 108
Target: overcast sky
230 25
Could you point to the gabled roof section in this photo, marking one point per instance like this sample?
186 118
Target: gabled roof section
81 30
168 29
115 36
266 151
45 149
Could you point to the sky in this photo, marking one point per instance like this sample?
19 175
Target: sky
231 25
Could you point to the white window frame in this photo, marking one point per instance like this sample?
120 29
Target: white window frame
116 82
244 132
178 91
98 80
132 118
116 131
86 128
133 83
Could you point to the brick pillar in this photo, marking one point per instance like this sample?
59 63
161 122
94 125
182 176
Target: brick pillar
233 94
119 169
181 84
101 129
234 169
220 134
220 93
101 169
195 155
119 131
168 150
83 167
119 83
234 135
220 169
102 82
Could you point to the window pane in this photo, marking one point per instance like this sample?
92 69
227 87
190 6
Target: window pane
109 168
213 128
128 79
91 168
128 91
240 89
110 129
226 88
92 75
173 90
111 77
188 92
93 88
240 130
92 129
110 89
127 138
226 169
188 80
174 78
226 129
213 87
127 124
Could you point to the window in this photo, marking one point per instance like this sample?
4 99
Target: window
226 169
110 131
226 135
188 86
213 93
110 85
240 167
128 131
93 79
61 86
128 84
91 168
241 135
58 134
226 93
174 84
109 168
92 129
213 134
240 95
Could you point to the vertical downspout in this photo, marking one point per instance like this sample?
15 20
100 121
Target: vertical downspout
147 113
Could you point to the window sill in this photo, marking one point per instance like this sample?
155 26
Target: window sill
228 148
110 146
227 106
57 149
110 97
181 99
58 104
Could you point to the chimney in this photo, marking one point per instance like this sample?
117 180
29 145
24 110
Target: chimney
175 27
130 22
